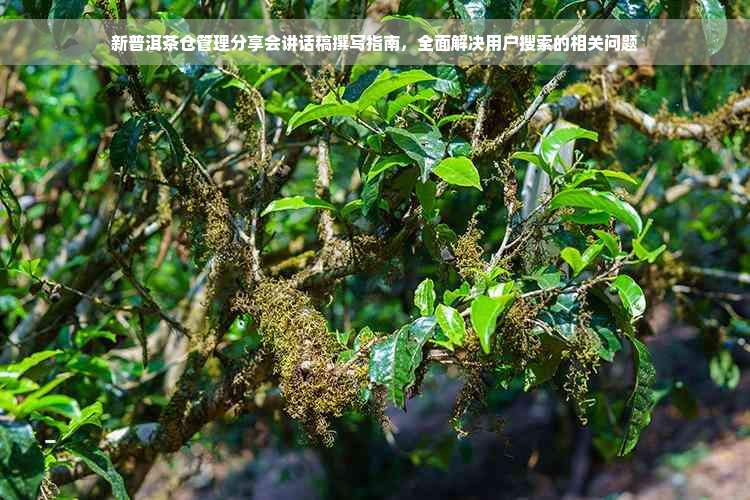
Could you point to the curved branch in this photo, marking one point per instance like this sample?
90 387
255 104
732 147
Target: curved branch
702 128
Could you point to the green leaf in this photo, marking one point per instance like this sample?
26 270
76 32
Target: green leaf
8 402
501 289
644 253
420 331
92 366
173 138
641 251
424 297
452 324
370 194
724 372
55 403
714 24
390 364
459 171
528 156
98 461
123 150
573 257
535 159
426 192
296 202
459 147
610 241
424 145
588 217
544 368
449 80
455 118
388 82
555 140
60 15
351 208
592 174
404 100
364 336
17 386
417 21
642 399
393 360
450 296
562 316
89 333
484 314
579 262
30 266
343 338
17 369
13 214
630 294
546 278
91 415
21 462
320 111
49 386
606 202
320 8
609 342
470 9
386 163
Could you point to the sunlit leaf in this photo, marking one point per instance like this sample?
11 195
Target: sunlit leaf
555 140
606 202
320 111
451 323
577 261
90 415
458 171
54 403
630 294
388 82
424 297
297 202
484 314
723 370
15 370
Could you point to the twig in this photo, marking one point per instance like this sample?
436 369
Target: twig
520 122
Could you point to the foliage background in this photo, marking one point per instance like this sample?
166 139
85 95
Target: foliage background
133 299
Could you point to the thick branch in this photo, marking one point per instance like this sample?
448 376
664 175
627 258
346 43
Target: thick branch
702 128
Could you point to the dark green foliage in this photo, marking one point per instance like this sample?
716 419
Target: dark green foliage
642 399
21 462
